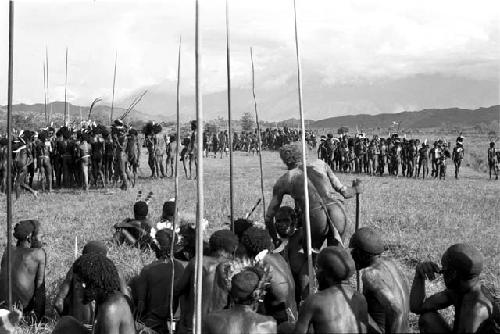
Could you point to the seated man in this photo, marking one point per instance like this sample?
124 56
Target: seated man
461 266
69 299
154 283
136 231
223 245
385 286
242 318
279 301
28 270
337 307
101 283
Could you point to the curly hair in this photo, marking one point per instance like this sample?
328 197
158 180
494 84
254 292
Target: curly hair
255 240
98 272
290 154
223 240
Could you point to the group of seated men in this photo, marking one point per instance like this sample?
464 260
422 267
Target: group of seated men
248 285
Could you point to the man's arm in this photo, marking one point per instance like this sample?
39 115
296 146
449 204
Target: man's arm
418 302
471 317
142 289
274 205
63 292
305 316
40 274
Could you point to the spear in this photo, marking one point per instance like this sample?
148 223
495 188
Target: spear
9 154
258 139
230 139
113 97
47 80
92 106
65 84
306 189
45 93
176 188
199 179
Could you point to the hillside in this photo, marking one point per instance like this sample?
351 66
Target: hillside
427 118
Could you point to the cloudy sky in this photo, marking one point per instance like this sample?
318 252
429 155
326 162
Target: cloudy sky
346 42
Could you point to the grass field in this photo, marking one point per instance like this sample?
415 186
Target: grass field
418 219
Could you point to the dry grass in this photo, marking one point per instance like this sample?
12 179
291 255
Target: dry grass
419 219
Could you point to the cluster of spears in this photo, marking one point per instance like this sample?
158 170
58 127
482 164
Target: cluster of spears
399 157
254 292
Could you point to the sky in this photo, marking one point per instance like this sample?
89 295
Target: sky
345 42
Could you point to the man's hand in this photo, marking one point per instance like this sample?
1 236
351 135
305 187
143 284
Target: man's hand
59 306
357 186
427 270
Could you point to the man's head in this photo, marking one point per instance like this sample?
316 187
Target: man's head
291 155
461 266
223 241
28 231
492 144
241 225
243 286
193 125
335 265
168 210
141 210
96 247
98 276
255 240
366 243
164 243
285 221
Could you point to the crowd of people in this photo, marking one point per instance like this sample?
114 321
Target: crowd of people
255 277
403 157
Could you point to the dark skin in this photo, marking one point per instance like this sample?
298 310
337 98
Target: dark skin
336 308
241 319
28 275
386 291
322 187
153 289
214 298
114 315
472 307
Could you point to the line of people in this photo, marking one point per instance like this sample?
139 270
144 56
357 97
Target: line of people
408 158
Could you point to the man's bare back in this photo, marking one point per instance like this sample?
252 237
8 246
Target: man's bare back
239 320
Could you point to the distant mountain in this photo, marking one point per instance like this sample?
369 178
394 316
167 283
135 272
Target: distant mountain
427 118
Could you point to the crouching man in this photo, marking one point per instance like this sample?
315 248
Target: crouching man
461 266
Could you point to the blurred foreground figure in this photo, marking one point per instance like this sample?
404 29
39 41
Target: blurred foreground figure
245 290
70 297
101 283
336 307
153 285
474 311
28 270
9 320
385 287
327 212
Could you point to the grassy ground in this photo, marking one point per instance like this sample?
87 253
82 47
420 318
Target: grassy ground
418 219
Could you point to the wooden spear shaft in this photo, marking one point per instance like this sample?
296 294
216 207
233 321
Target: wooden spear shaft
113 96
45 94
176 189
47 80
65 84
258 139
304 165
230 133
9 153
199 179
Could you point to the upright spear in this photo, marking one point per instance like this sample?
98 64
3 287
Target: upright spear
9 154
258 139
65 84
199 179
230 134
176 187
45 94
304 165
113 97
47 81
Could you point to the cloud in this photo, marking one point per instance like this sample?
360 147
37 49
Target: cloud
348 42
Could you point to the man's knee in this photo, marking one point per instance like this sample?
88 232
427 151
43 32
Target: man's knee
432 322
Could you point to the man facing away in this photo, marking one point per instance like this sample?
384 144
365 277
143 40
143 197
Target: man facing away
385 287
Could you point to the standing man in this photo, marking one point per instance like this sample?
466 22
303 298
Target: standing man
422 161
435 155
458 155
493 160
